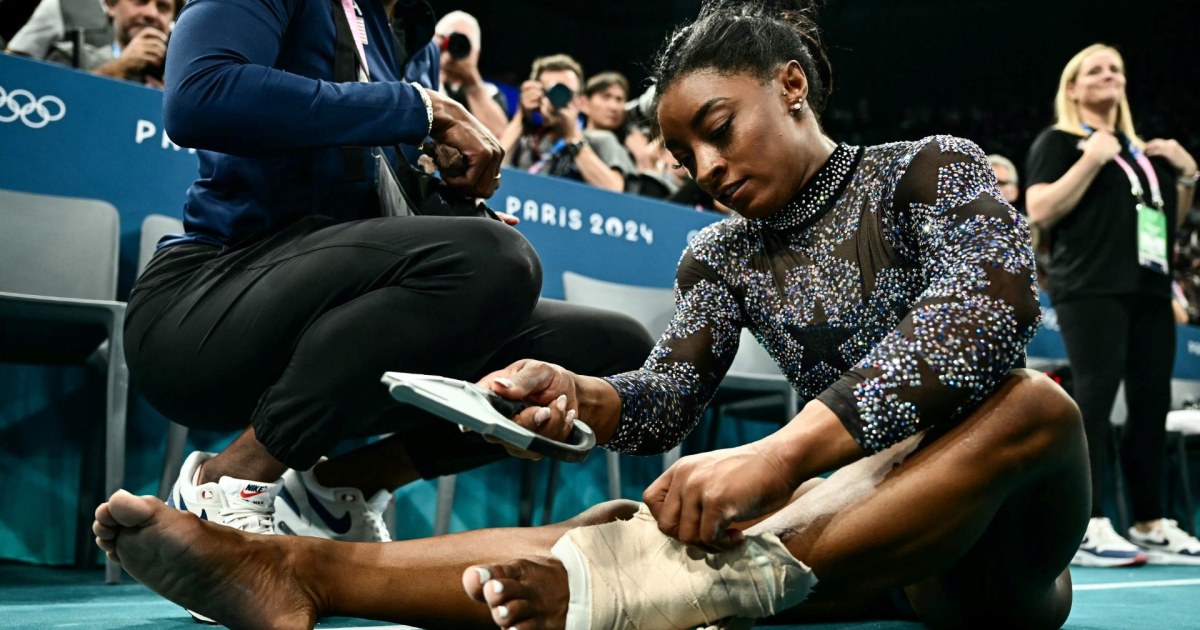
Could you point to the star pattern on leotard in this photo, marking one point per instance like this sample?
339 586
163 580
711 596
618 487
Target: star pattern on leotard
900 314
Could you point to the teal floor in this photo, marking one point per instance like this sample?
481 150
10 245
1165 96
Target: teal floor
41 597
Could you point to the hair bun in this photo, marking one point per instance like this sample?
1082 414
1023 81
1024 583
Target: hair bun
755 37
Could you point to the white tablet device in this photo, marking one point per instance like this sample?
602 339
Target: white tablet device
485 412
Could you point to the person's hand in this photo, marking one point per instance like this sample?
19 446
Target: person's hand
565 120
508 219
147 49
464 72
641 149
532 95
457 129
1101 147
700 497
1174 153
551 389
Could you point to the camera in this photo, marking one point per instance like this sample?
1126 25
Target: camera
639 111
559 95
457 44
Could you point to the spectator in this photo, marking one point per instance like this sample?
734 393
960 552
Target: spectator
1109 203
607 95
135 51
546 138
1006 177
1187 268
1009 181
53 24
460 76
604 102
604 106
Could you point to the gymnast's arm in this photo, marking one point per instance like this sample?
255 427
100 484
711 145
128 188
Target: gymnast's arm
652 409
964 334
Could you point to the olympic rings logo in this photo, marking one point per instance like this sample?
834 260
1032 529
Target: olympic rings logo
34 112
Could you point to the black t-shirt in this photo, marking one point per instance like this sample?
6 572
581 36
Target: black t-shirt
1093 250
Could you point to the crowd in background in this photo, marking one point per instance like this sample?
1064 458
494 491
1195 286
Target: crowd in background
127 39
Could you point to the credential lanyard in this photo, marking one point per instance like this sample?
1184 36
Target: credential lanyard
1135 185
358 29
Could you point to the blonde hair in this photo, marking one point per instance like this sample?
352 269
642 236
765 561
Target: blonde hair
1066 111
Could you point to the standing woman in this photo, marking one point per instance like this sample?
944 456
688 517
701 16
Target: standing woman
1109 203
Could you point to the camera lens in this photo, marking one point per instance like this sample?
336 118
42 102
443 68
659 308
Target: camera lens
560 95
458 45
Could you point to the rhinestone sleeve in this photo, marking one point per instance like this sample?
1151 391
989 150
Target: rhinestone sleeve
975 314
663 401
896 287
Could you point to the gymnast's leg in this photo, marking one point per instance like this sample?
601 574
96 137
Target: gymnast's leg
943 523
253 581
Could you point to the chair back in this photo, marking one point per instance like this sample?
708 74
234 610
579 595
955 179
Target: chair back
154 227
58 246
651 306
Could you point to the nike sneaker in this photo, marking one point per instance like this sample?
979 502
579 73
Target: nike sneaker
1102 546
1167 543
304 507
238 503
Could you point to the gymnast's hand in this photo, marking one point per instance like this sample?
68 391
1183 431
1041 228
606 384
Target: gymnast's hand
551 387
698 500
456 128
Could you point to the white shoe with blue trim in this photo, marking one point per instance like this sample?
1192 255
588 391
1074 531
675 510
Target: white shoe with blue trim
1102 546
1167 543
306 508
245 505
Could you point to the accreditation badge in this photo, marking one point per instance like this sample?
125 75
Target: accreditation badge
1152 238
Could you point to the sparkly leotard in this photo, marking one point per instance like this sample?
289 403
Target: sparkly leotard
897 288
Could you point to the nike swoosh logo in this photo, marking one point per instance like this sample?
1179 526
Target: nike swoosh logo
337 525
287 498
251 495
1161 543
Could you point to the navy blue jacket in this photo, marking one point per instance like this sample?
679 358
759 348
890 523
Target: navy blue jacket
249 83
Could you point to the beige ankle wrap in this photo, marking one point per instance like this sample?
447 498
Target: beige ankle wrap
629 575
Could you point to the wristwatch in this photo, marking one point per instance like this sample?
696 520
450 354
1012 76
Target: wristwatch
573 148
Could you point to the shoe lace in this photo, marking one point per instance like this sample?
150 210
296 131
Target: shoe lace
372 515
248 520
378 527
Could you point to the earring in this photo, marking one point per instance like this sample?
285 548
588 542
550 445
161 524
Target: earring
797 107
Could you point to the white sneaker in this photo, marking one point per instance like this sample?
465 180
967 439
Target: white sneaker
306 508
1103 547
238 503
1167 543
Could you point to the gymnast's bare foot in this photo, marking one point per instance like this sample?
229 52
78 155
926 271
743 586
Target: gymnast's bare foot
523 595
238 579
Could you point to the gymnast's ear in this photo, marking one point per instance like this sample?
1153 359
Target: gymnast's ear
794 82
